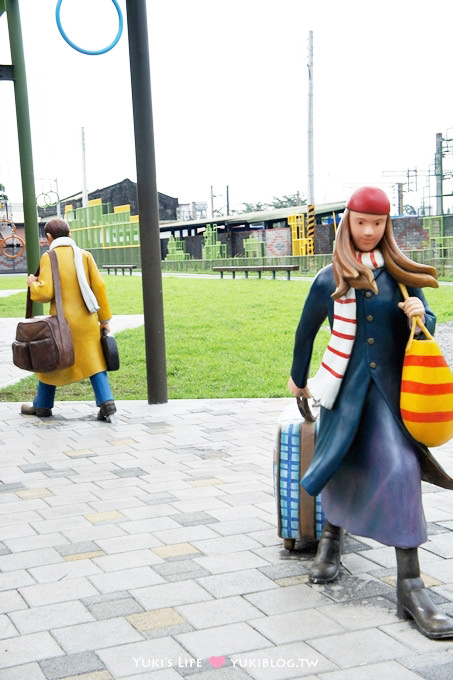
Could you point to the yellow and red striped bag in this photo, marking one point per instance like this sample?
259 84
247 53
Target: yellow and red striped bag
426 400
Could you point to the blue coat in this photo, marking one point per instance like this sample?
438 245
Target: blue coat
378 353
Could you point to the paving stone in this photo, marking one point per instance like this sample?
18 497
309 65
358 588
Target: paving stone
4 550
222 640
130 472
12 487
442 545
284 662
35 467
134 659
51 593
193 518
81 453
50 617
284 570
95 635
70 549
129 560
359 647
219 612
70 665
440 672
28 648
180 569
158 498
170 595
29 559
31 671
230 563
279 600
296 626
386 669
175 550
110 516
186 534
378 612
158 618
226 672
236 583
63 472
125 579
7 629
95 675
112 605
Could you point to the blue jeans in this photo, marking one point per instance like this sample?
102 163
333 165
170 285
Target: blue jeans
45 394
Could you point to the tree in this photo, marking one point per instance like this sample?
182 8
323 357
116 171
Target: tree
286 201
254 207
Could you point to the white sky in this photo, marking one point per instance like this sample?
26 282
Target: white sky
229 83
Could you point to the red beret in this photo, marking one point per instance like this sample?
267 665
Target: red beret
369 200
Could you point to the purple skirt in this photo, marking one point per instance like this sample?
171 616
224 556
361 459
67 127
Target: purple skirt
376 492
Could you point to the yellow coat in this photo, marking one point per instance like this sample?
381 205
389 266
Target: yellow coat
88 357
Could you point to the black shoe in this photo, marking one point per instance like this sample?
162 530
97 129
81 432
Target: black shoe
30 410
414 602
326 565
106 410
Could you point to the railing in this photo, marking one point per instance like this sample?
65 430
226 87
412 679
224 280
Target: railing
440 257
438 253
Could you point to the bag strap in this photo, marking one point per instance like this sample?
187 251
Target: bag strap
305 410
416 320
56 286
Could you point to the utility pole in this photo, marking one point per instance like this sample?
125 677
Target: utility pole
84 173
311 192
227 200
438 171
212 202
400 190
311 197
148 202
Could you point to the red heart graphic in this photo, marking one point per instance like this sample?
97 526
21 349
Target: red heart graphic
217 661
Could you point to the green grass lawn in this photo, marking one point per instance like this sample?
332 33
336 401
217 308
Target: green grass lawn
224 338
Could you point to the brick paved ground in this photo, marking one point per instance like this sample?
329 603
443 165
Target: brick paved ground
148 549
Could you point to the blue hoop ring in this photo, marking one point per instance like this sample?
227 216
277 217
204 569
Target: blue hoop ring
80 49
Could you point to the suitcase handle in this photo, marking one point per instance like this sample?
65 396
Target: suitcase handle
305 410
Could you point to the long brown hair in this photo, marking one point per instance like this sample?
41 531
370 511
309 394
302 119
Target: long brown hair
350 273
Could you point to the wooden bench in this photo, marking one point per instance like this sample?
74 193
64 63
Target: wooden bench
123 267
288 268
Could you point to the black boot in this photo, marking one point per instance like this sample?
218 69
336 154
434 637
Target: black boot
414 599
326 565
106 410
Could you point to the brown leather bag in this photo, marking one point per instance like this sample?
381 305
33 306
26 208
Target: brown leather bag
44 344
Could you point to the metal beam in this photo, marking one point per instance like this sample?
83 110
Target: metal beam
24 138
148 206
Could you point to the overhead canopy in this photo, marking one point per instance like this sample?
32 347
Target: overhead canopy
251 218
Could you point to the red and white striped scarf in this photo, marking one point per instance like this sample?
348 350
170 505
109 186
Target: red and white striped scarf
327 382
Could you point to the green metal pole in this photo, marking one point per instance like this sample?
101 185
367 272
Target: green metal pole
24 136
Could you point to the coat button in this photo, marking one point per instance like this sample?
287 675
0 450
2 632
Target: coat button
372 364
369 317
370 341
368 294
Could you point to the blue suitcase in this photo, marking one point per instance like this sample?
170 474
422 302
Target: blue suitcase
300 516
